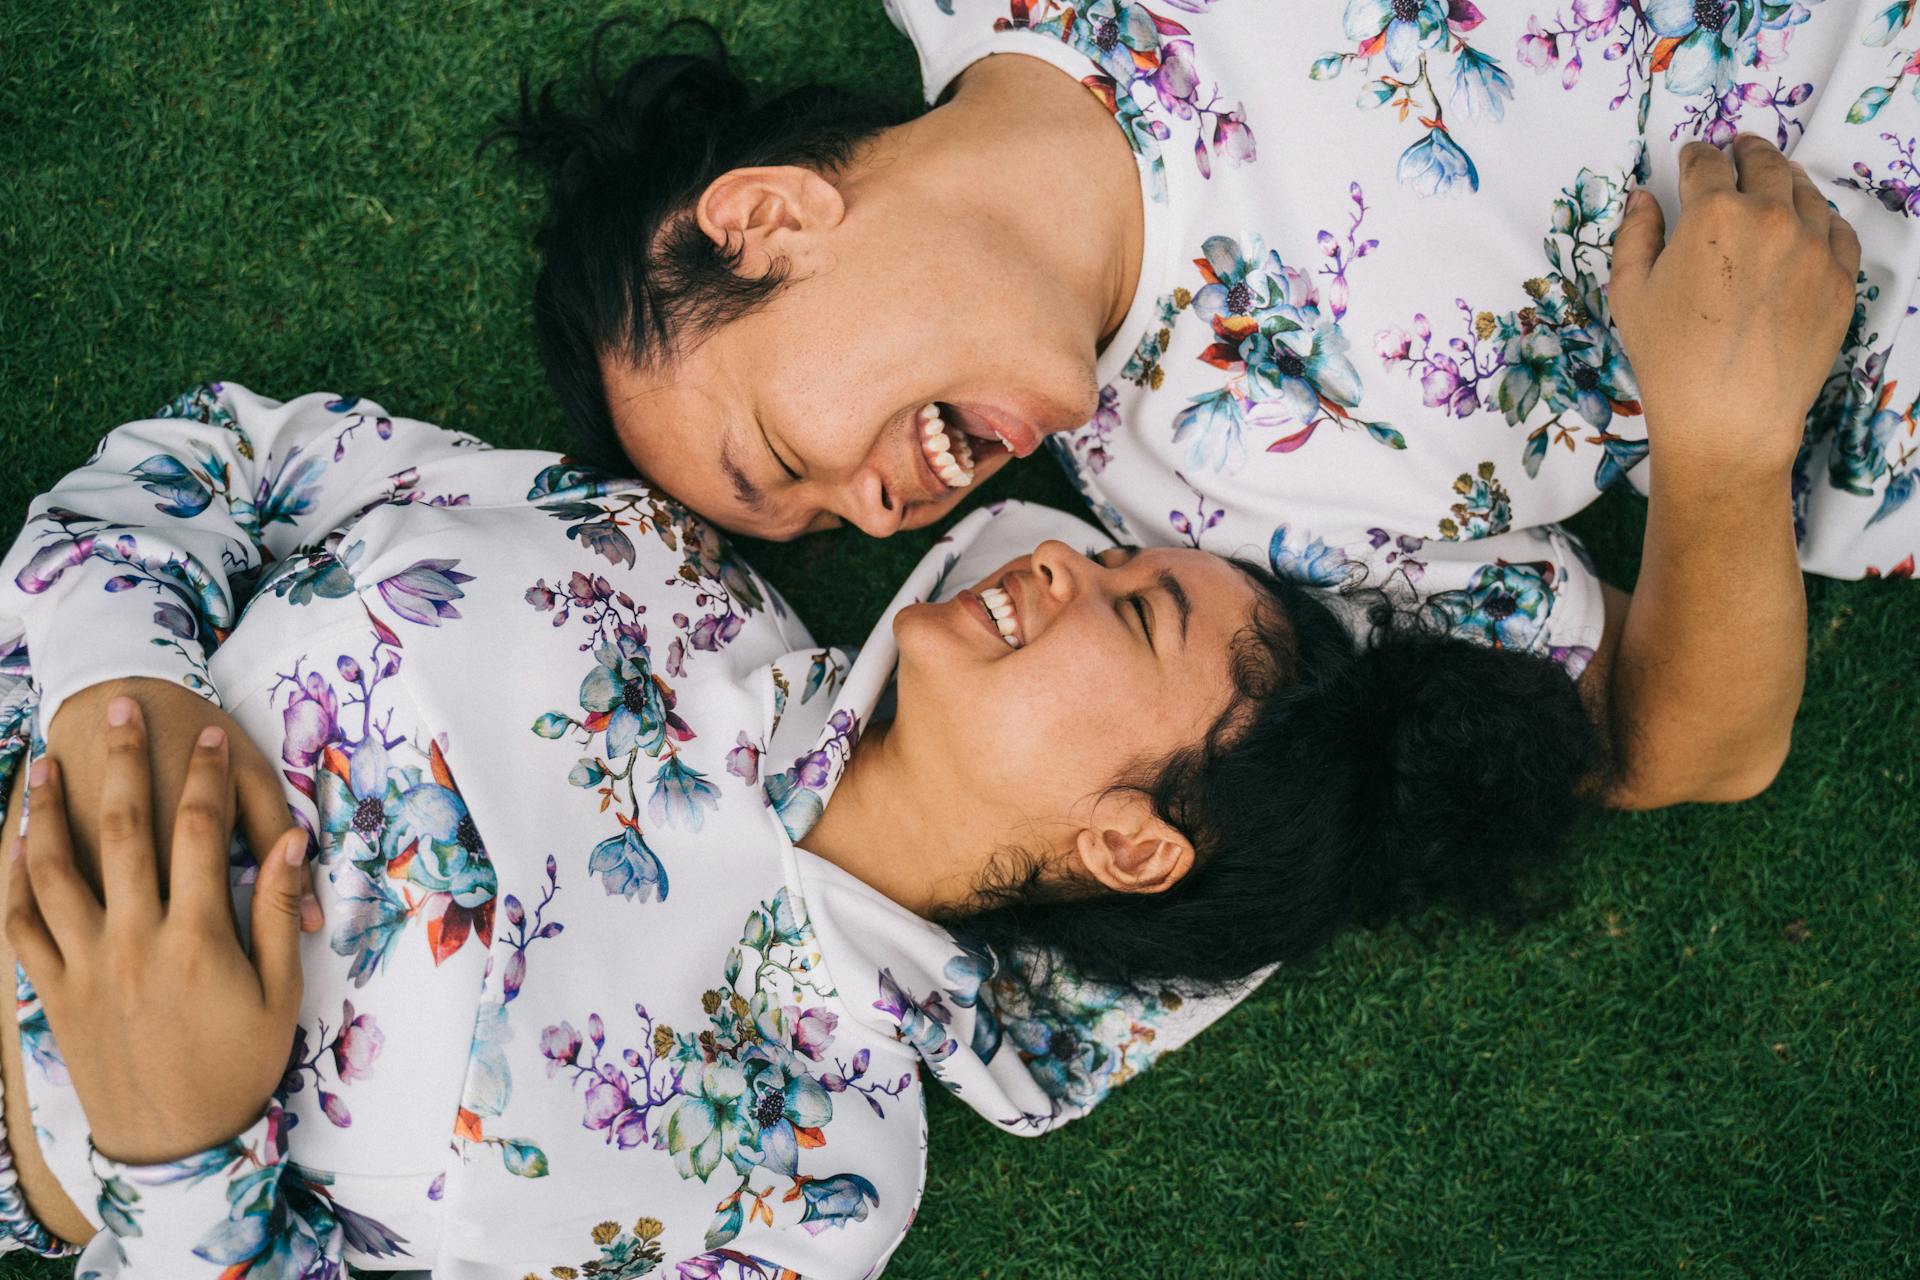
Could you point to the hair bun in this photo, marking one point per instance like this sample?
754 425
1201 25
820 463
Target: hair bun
1470 758
670 110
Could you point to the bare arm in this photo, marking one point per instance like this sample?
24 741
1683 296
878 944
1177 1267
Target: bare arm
1731 327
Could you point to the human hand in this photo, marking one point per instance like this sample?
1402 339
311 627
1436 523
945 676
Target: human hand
175 717
1733 324
174 1036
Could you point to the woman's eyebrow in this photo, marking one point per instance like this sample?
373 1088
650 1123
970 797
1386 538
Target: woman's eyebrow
1171 585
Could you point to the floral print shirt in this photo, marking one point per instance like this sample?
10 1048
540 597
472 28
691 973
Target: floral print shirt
1371 340
581 1005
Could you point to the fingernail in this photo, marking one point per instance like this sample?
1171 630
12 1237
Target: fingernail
38 774
296 849
309 913
17 847
212 736
119 711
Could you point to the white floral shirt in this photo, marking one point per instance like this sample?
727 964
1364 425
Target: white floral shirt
1371 337
580 1005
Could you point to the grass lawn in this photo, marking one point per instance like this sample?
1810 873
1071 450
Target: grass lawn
1706 1061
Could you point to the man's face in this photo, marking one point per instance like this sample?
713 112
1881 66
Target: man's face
813 410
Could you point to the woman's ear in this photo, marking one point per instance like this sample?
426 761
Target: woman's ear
1130 849
769 215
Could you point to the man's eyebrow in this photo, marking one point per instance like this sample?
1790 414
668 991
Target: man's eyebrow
743 488
1171 585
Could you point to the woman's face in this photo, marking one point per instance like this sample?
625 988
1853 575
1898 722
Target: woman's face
1118 662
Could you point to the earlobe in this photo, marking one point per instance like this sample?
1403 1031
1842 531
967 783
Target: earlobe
1129 849
769 215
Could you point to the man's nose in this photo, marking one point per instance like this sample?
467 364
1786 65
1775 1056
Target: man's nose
871 507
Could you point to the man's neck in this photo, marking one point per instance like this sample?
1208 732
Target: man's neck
1025 138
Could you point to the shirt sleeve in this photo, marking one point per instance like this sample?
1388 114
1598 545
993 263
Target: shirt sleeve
139 563
198 1216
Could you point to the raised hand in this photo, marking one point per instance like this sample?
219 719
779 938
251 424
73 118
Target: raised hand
1733 324
174 1035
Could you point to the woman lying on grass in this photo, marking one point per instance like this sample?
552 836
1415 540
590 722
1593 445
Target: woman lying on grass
641 910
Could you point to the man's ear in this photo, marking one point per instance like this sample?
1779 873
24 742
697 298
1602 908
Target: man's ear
1130 849
769 214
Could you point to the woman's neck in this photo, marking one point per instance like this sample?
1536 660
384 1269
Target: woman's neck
886 827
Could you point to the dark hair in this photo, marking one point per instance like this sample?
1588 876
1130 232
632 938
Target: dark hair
624 268
1344 785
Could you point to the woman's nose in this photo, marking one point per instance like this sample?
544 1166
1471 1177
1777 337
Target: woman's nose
1059 568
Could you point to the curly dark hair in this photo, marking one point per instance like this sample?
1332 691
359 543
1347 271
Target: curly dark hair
624 268
1346 784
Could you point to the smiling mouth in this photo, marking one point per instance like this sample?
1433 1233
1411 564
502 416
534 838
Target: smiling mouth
999 607
955 445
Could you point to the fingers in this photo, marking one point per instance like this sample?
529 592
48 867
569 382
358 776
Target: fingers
1763 170
1637 243
276 922
1844 241
1703 171
66 902
128 877
264 816
27 931
1807 200
201 827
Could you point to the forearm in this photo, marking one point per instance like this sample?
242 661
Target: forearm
1712 656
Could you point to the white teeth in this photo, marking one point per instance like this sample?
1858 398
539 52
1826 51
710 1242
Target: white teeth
949 455
1000 606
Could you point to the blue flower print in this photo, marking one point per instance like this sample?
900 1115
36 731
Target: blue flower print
1404 27
625 698
1433 165
1705 32
628 867
1505 605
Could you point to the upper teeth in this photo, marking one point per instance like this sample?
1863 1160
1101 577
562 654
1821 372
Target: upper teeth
950 455
1000 605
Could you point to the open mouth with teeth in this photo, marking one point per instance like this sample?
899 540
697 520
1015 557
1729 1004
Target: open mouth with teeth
956 447
1000 608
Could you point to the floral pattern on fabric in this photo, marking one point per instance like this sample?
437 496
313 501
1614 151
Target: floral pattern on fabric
282 1221
1411 35
1286 357
626 708
1559 352
1886 31
394 833
748 1091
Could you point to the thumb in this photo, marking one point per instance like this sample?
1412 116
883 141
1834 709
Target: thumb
1637 242
277 909
264 816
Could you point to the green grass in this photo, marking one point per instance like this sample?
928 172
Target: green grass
1705 1062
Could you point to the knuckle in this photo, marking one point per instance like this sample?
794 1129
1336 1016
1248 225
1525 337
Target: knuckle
18 926
197 819
120 821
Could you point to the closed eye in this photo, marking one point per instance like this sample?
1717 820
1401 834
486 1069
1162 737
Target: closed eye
780 461
1140 611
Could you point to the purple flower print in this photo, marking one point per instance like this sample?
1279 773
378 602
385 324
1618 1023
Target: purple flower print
425 592
310 721
813 1032
559 1045
1899 191
353 1049
743 762
356 1046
